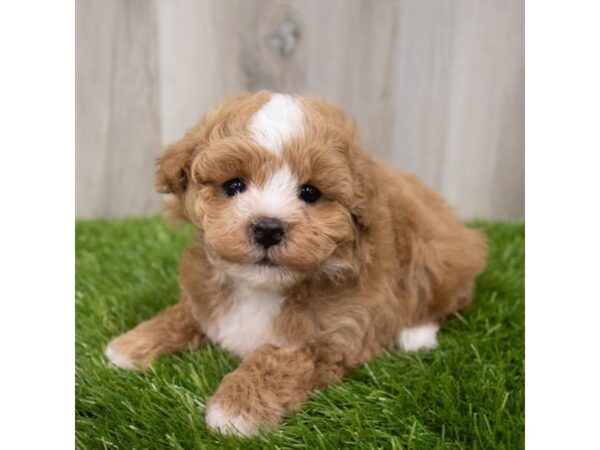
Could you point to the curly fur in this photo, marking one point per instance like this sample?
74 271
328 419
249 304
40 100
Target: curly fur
378 262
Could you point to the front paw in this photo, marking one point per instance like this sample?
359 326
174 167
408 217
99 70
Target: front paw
240 412
224 420
130 351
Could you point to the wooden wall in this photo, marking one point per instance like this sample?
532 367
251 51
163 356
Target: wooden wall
437 86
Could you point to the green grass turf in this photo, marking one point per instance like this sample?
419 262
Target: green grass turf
469 393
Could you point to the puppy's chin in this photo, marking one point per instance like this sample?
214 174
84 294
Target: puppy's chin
263 275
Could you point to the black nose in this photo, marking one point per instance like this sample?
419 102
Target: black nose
267 231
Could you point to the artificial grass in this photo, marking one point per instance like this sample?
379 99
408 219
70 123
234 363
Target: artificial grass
469 393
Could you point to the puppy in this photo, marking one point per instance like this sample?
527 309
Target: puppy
310 257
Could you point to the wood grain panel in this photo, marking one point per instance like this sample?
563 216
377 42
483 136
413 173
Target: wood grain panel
436 86
198 66
349 47
92 118
118 117
486 111
210 50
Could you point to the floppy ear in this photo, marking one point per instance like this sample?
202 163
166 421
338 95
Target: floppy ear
364 189
361 165
173 166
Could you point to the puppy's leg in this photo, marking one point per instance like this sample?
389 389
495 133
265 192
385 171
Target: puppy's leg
424 336
268 384
419 337
169 332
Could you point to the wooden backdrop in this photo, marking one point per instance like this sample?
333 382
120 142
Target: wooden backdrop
437 86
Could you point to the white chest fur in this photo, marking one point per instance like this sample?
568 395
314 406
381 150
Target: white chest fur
248 322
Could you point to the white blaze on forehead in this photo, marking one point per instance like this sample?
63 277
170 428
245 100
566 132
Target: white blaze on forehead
278 197
276 122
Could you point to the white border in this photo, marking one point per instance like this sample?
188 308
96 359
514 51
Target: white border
36 241
563 226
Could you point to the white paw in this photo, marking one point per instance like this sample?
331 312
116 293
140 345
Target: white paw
119 359
218 420
422 337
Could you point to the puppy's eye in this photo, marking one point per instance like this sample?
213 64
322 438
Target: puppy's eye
234 186
309 193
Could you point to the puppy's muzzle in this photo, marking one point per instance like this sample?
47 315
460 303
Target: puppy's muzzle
267 231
